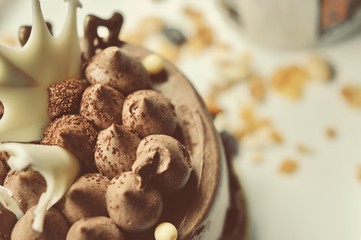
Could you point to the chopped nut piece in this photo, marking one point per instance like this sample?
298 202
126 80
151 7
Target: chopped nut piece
290 81
352 95
331 132
319 69
288 166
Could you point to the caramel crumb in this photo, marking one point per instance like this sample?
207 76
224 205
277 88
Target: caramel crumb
352 95
288 166
289 81
331 133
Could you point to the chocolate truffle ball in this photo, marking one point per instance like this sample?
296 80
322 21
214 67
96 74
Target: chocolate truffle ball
85 198
112 67
55 226
132 208
148 112
95 228
77 135
115 150
164 159
27 187
65 97
102 105
7 222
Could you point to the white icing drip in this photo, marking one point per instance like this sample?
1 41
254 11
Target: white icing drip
57 165
26 73
7 200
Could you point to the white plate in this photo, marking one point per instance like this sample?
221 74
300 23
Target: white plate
320 201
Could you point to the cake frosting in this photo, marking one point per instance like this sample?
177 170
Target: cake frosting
116 151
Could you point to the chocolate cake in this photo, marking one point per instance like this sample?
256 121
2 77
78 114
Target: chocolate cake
127 149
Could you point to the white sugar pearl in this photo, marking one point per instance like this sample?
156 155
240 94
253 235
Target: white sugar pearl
153 63
166 231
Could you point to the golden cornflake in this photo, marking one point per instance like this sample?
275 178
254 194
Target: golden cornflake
288 166
319 68
352 95
290 81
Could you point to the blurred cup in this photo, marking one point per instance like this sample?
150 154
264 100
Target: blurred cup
296 23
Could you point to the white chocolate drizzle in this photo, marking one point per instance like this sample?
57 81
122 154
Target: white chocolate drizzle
26 73
58 166
7 200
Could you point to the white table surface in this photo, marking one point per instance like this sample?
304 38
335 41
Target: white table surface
322 200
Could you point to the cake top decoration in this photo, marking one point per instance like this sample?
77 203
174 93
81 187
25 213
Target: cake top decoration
26 73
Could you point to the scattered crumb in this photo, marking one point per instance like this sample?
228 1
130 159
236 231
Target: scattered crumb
257 88
213 108
359 173
319 68
289 81
288 166
232 66
352 95
331 133
304 149
203 37
276 136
